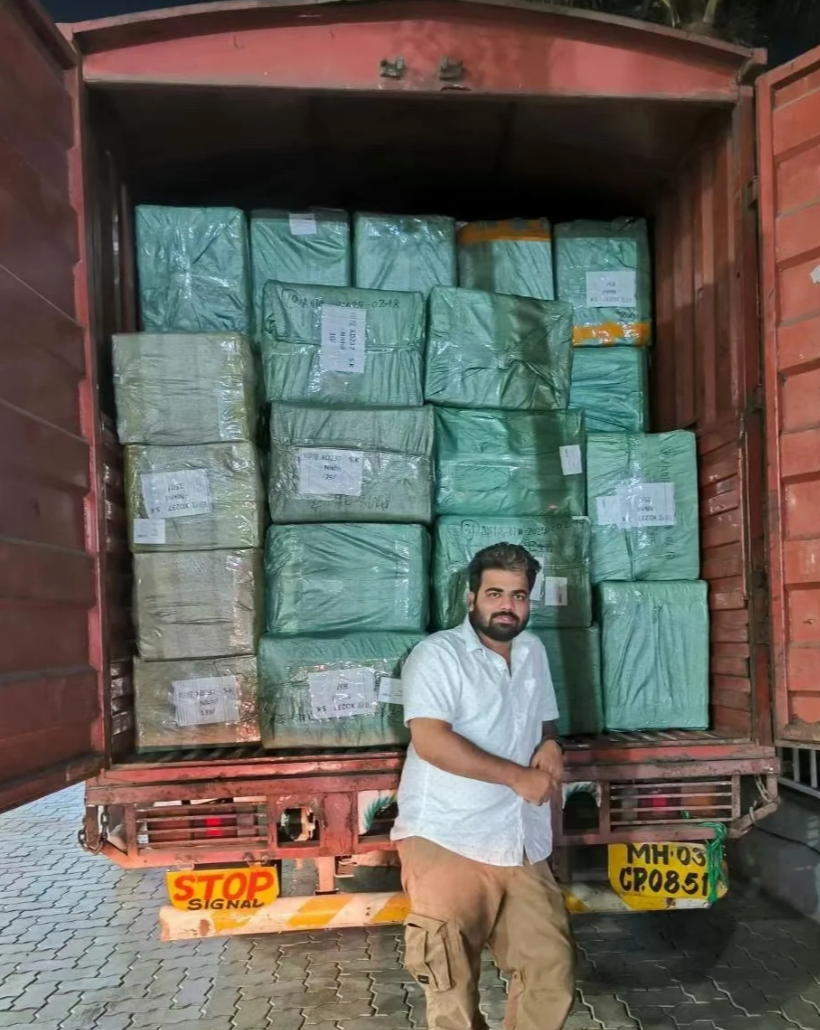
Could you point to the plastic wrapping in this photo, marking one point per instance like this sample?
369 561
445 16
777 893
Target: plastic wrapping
198 604
347 577
403 252
513 256
561 595
207 702
194 269
610 386
643 503
331 345
604 270
509 463
575 665
291 247
198 498
485 350
655 651
341 691
184 388
351 464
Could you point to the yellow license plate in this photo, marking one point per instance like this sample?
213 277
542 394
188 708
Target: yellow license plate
223 889
653 875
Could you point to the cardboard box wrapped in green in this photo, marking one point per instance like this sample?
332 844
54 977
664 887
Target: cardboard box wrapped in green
350 464
199 498
643 503
610 385
655 655
342 346
194 269
346 576
561 595
512 256
487 350
575 665
604 270
509 463
183 388
342 691
404 252
202 702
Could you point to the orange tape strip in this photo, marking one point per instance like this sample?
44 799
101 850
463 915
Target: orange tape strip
529 231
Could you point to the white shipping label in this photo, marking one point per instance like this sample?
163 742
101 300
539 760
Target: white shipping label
202 702
174 495
571 464
340 695
617 289
149 531
343 338
302 224
329 472
537 592
390 691
609 510
555 591
650 504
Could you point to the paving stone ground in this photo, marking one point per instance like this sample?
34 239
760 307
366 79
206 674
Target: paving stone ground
79 951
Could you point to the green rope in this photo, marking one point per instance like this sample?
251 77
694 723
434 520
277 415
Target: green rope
715 864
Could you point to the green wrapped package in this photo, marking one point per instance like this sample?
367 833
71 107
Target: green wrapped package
404 252
643 503
307 248
205 497
575 665
604 270
350 464
509 463
610 385
561 595
486 350
341 577
181 388
203 702
655 655
335 345
341 691
198 604
512 256
194 269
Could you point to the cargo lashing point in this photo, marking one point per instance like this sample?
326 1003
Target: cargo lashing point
450 71
392 69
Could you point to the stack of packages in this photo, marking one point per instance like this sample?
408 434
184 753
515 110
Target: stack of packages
509 455
185 392
350 482
641 488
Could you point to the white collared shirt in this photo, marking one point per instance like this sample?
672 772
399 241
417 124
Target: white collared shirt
453 677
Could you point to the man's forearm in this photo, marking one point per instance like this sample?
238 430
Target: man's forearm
449 751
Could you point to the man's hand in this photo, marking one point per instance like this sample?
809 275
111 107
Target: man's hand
549 758
533 785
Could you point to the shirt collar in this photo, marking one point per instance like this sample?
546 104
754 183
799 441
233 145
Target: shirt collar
472 642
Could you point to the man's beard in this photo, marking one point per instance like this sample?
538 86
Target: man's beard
499 632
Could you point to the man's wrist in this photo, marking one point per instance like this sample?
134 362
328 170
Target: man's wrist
553 740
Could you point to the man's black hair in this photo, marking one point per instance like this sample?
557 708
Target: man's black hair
507 557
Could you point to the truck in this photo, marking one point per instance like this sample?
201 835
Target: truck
480 107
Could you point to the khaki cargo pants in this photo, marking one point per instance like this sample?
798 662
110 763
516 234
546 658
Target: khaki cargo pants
457 908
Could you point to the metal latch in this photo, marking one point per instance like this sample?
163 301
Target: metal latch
450 71
392 69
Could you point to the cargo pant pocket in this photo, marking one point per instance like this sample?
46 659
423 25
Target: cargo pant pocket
427 952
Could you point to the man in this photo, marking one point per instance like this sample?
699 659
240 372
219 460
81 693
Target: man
473 829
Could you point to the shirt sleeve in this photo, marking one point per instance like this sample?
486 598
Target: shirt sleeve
429 689
548 703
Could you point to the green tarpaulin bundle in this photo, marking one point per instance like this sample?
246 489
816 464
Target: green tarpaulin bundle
203 702
486 350
350 464
198 604
561 595
575 665
404 252
341 577
512 256
643 503
335 345
509 463
182 388
194 269
610 385
342 691
292 247
204 497
604 270
655 651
